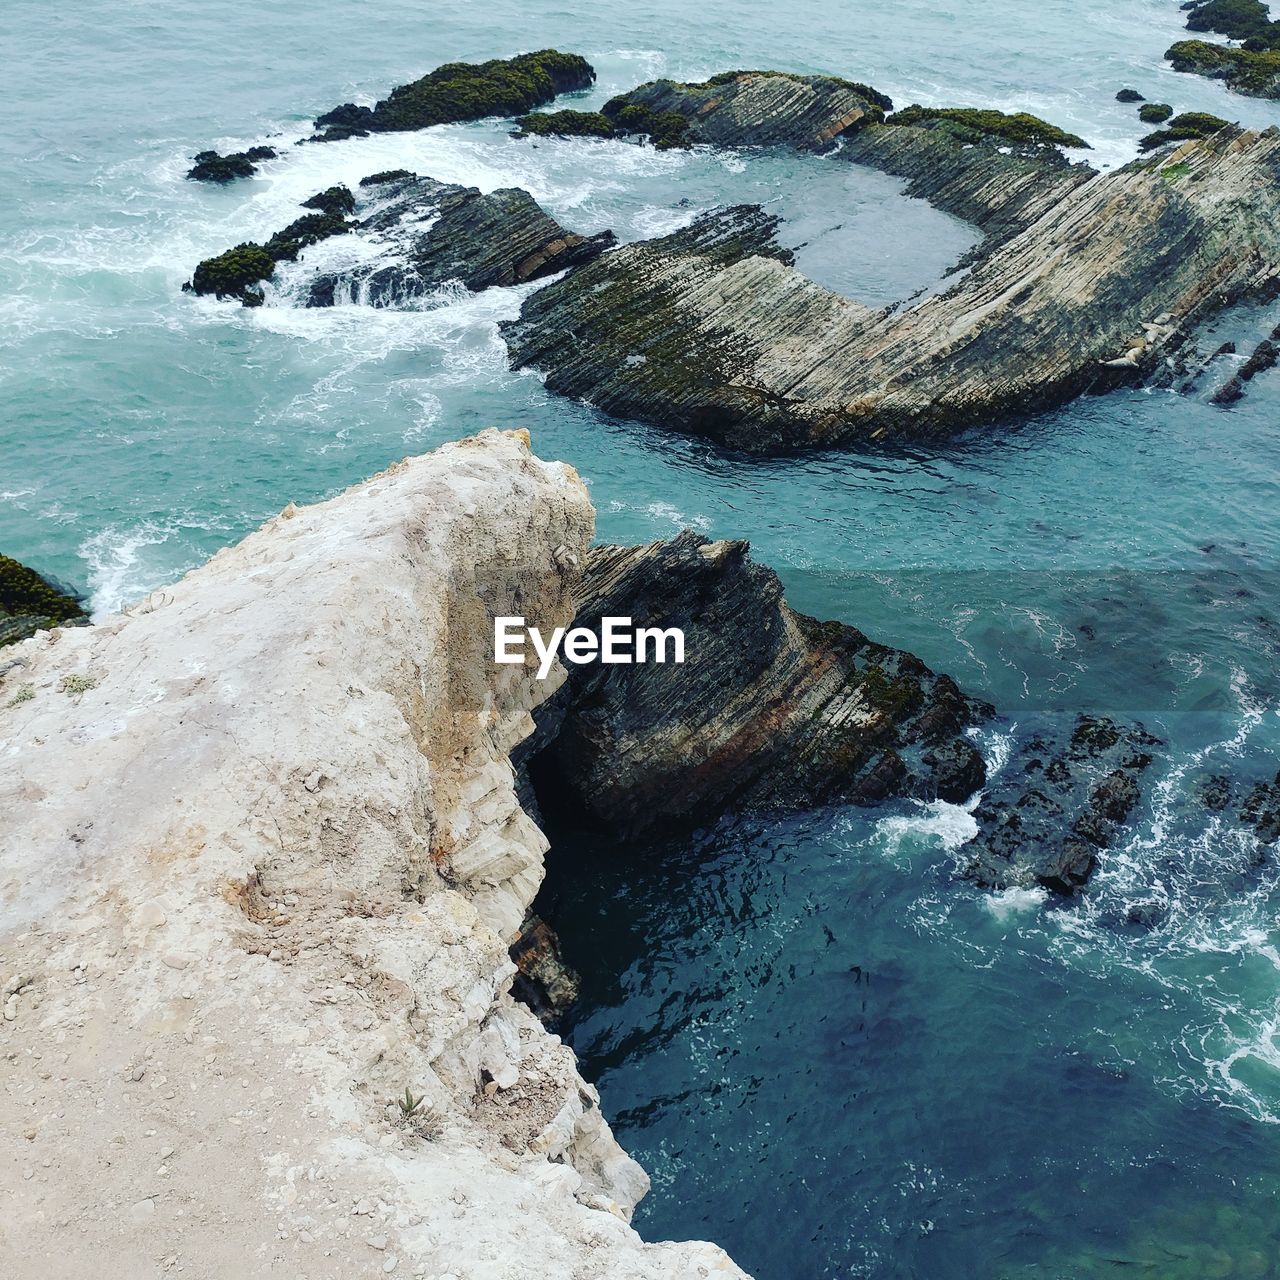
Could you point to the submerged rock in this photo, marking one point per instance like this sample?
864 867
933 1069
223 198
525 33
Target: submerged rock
711 331
463 91
1047 816
30 602
771 708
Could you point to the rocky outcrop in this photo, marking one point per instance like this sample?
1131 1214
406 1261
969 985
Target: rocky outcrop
432 232
461 91
1256 74
1264 357
770 709
976 174
260 866
1056 806
426 233
209 166
711 331
749 109
29 602
543 981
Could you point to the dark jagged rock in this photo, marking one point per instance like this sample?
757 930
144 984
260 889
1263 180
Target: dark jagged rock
771 709
209 166
335 201
502 238
30 602
983 178
1154 112
710 331
463 91
1264 357
543 981
1129 95
1047 816
1190 124
749 109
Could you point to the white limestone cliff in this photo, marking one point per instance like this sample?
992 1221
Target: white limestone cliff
260 863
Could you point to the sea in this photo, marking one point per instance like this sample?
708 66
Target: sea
833 1057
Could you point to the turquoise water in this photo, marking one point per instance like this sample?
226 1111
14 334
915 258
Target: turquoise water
833 1059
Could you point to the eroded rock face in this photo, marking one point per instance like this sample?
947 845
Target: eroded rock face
732 343
1057 805
750 109
260 867
544 982
434 232
771 708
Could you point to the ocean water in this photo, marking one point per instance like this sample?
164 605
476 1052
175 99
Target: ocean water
833 1059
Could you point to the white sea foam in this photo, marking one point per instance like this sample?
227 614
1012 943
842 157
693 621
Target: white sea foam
119 573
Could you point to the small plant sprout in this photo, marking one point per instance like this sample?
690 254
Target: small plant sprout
78 683
24 694
409 1105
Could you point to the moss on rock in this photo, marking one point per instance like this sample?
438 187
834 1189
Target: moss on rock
565 124
1129 95
1154 112
234 273
464 91
1182 128
1255 73
29 602
387 175
977 124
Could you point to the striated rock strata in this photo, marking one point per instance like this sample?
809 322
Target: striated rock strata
711 331
260 866
770 709
432 232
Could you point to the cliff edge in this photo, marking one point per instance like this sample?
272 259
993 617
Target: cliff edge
261 861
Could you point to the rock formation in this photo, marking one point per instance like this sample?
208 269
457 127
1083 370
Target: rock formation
260 866
428 233
749 109
463 91
710 330
1254 69
771 709
29 603
209 166
434 232
1056 806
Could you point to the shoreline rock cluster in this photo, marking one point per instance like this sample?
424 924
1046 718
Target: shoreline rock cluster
1253 68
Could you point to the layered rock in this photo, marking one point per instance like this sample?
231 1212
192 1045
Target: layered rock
770 709
461 91
29 602
260 866
425 234
433 232
1001 188
1057 805
710 331
749 109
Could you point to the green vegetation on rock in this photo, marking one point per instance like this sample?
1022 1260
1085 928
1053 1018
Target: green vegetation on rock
565 124
665 129
972 124
1188 125
1253 73
234 274
30 603
1248 20
1154 112
464 91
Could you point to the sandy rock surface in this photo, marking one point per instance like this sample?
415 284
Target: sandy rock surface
260 864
